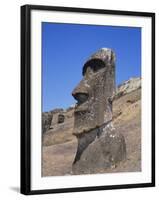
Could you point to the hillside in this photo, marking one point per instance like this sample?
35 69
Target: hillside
59 145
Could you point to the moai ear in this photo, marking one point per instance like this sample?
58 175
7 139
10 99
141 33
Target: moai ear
110 102
113 57
110 99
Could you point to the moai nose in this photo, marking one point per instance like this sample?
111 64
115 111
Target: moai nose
80 97
80 93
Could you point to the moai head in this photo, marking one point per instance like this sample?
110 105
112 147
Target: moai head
93 93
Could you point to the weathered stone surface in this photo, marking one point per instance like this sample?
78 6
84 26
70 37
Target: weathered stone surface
99 147
104 152
93 93
46 121
123 89
60 130
83 141
47 118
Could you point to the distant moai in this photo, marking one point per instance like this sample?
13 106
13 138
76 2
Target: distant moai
57 119
99 145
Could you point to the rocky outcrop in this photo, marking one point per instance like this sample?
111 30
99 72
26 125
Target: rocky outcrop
60 127
128 86
46 121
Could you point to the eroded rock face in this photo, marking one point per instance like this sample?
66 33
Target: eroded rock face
93 115
128 86
47 118
102 152
46 121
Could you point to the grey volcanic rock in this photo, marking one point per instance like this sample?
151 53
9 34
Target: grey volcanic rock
83 141
104 152
99 147
93 92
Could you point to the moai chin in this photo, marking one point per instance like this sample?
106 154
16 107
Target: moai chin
93 111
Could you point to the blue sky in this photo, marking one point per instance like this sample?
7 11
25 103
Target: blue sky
66 47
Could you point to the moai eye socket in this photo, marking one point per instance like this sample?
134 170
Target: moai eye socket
94 64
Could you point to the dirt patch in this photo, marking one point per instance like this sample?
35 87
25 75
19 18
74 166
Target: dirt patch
57 159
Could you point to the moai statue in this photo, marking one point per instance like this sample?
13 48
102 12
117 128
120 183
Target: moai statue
99 145
54 121
58 118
